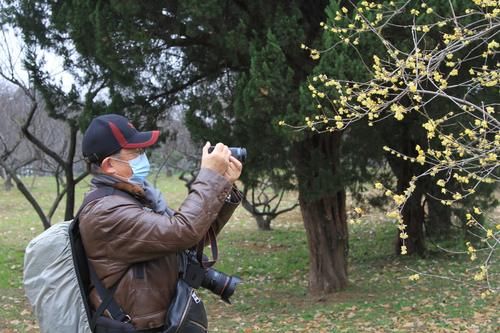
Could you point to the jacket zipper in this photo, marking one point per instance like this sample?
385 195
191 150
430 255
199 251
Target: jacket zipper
198 324
185 311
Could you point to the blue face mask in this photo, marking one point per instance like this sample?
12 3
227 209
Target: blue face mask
140 168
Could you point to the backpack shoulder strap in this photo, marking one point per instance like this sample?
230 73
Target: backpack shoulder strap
100 192
105 294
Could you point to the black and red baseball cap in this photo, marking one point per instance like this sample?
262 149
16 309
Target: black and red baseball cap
109 133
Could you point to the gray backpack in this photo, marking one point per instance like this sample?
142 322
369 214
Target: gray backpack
57 277
51 283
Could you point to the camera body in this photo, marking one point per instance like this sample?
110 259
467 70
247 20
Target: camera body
239 153
217 282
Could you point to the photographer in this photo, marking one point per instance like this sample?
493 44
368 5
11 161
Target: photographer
133 240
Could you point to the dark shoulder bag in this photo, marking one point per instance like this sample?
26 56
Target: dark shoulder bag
186 313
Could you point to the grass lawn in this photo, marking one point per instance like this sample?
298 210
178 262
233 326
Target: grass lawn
274 267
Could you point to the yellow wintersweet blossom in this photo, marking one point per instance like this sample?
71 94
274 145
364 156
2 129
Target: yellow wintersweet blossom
414 277
314 54
421 155
481 275
471 250
461 179
486 3
430 126
399 199
470 220
398 110
393 214
489 233
404 250
485 294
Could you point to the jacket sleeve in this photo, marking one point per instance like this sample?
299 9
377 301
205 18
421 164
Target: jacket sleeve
230 204
127 232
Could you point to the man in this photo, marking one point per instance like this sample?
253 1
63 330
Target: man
134 239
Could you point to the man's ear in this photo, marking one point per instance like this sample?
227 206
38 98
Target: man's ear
107 167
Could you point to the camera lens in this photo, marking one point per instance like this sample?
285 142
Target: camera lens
237 152
220 284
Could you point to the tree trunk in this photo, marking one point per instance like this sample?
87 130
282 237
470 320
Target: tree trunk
438 222
322 203
327 235
7 185
70 194
70 176
263 223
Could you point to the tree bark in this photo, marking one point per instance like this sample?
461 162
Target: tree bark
263 223
70 176
322 203
438 222
7 185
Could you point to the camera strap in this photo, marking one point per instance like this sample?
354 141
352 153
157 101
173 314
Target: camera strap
210 238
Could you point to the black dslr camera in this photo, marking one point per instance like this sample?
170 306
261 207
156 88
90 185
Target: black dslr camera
239 153
217 282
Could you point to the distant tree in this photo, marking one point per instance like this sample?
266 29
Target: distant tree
264 202
31 150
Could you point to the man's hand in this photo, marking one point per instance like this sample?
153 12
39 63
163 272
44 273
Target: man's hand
217 160
233 171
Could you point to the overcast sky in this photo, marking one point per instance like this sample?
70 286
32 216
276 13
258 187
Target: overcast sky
11 60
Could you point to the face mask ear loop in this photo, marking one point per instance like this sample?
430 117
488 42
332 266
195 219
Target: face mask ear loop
121 177
117 159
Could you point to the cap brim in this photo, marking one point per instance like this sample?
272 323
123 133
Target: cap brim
142 140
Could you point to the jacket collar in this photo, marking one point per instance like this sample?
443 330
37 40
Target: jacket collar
133 189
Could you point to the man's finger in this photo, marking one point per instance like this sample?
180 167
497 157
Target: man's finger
219 147
205 148
235 161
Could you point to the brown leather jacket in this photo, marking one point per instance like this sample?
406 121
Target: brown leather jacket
120 237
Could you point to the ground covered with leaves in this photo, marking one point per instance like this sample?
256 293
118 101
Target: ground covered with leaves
274 267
